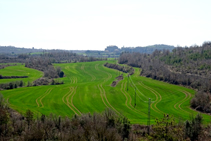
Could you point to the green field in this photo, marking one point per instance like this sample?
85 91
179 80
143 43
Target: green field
87 90
20 70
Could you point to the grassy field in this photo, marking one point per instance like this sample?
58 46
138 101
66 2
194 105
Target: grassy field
87 90
20 70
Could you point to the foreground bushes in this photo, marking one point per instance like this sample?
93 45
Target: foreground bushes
11 85
107 126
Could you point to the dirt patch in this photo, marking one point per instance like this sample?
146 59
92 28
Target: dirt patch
118 78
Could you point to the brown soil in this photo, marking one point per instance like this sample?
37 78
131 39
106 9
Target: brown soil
118 78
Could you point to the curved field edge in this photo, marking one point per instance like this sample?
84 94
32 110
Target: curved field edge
87 90
20 70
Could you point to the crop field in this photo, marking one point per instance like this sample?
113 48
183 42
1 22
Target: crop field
20 70
87 89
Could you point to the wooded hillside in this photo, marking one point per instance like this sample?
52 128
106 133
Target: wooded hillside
190 67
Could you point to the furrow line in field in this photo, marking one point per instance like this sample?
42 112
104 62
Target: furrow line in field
76 80
96 66
37 100
127 95
101 94
67 101
12 95
72 101
151 106
73 80
45 96
93 77
188 95
176 105
124 95
104 98
138 111
63 98
107 99
158 97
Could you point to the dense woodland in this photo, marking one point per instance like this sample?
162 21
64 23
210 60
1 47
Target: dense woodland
189 67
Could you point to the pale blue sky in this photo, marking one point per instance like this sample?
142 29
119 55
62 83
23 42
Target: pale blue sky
95 24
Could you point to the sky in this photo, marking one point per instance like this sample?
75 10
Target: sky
96 24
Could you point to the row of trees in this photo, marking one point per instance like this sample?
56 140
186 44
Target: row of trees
11 85
10 77
2 66
125 69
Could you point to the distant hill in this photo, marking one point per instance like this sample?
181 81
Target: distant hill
110 51
146 49
17 50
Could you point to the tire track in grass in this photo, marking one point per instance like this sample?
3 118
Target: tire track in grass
124 95
129 99
104 93
72 80
93 77
72 100
45 96
151 106
101 95
65 99
158 97
7 101
176 106
102 90
188 95
76 80
13 95
96 66
37 100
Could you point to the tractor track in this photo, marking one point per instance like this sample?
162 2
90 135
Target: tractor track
158 98
102 90
39 98
188 95
93 77
66 98
128 97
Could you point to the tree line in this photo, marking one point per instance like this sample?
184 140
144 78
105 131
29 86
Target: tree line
125 69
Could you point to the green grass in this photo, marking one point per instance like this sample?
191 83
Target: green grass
87 90
20 70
